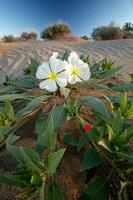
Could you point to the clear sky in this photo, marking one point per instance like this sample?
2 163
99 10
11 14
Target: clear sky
82 15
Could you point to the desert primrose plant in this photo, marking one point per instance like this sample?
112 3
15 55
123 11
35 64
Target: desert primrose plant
125 107
109 137
108 65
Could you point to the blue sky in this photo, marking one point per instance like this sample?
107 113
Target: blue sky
82 15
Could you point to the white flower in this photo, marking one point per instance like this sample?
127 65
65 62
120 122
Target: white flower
53 73
78 70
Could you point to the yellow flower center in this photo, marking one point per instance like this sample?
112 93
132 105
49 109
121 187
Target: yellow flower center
75 72
52 76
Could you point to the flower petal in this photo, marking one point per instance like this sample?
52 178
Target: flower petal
85 77
43 84
85 74
55 54
54 64
45 67
61 66
72 79
68 67
73 58
48 85
62 82
63 74
41 74
78 79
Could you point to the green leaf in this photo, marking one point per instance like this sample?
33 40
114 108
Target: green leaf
117 99
91 159
83 140
9 89
55 192
14 97
96 104
11 139
41 130
34 62
65 56
9 109
22 178
105 145
3 130
96 66
33 104
25 83
65 92
52 161
123 103
102 86
69 139
16 179
17 153
117 124
30 165
111 73
59 116
5 180
126 155
97 190
50 137
123 87
129 134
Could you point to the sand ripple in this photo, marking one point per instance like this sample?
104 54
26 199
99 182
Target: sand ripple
16 55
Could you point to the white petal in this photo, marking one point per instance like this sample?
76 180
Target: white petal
61 66
63 74
73 58
54 64
86 74
82 64
41 74
45 67
43 84
78 79
55 54
62 82
68 67
51 87
48 85
85 77
72 79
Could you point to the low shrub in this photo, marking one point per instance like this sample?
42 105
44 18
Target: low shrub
8 38
31 35
55 31
110 32
127 35
85 37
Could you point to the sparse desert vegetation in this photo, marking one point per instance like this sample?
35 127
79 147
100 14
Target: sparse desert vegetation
31 35
110 32
113 32
56 31
24 36
85 37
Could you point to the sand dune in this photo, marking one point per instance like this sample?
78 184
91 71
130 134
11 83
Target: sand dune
15 56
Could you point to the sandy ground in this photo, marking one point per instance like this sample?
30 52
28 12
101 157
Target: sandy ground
15 56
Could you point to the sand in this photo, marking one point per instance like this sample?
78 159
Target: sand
15 56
